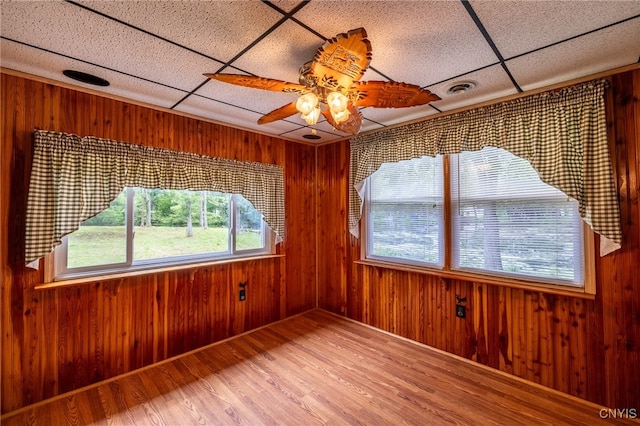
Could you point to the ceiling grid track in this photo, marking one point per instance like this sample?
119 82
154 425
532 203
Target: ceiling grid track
246 49
157 54
487 37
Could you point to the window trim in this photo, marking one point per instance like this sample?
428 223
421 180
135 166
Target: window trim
441 241
51 283
588 290
55 269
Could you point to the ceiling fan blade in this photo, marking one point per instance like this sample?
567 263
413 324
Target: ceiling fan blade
342 60
278 114
385 94
260 83
351 125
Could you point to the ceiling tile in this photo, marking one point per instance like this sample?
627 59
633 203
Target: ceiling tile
492 82
218 29
518 27
617 46
259 101
75 32
394 116
368 126
281 53
328 128
238 117
157 51
50 65
417 42
324 135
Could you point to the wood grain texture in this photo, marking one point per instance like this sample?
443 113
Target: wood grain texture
301 227
331 217
315 368
57 340
61 339
586 348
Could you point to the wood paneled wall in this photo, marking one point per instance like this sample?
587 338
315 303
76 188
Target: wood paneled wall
61 339
587 348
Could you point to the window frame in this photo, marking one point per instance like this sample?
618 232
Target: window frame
441 231
587 289
56 263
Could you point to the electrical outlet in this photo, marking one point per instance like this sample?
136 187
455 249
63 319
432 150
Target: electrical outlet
461 311
242 295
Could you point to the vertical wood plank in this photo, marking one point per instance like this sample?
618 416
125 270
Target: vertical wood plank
527 334
300 247
57 340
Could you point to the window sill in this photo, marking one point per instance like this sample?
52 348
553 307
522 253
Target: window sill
155 270
485 279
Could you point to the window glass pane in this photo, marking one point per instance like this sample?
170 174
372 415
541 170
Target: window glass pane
418 178
170 223
405 231
507 221
100 240
249 230
144 228
404 221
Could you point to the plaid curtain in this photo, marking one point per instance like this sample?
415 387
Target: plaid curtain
561 133
74 178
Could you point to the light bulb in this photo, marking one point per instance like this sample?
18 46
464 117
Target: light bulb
341 116
337 102
306 103
312 117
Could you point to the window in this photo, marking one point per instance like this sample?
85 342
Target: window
498 218
146 228
405 212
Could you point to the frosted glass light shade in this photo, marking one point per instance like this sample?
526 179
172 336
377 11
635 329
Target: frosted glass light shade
339 117
337 102
312 117
307 103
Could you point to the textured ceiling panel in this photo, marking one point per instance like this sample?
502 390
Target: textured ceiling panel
518 27
391 116
157 51
369 126
281 53
221 113
286 5
258 101
573 59
219 29
49 65
325 133
417 42
75 32
491 83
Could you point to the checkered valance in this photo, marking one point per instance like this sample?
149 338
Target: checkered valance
74 178
561 133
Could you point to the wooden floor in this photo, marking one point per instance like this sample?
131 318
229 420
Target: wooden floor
315 368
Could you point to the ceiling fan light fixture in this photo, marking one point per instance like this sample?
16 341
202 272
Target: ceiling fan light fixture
337 102
341 116
312 117
329 85
307 103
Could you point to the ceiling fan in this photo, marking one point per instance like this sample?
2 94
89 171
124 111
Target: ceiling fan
332 78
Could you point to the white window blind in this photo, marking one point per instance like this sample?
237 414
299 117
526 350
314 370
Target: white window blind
506 221
405 212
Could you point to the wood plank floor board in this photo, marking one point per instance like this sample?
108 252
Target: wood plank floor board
312 369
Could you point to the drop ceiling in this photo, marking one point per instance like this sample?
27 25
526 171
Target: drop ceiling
156 52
